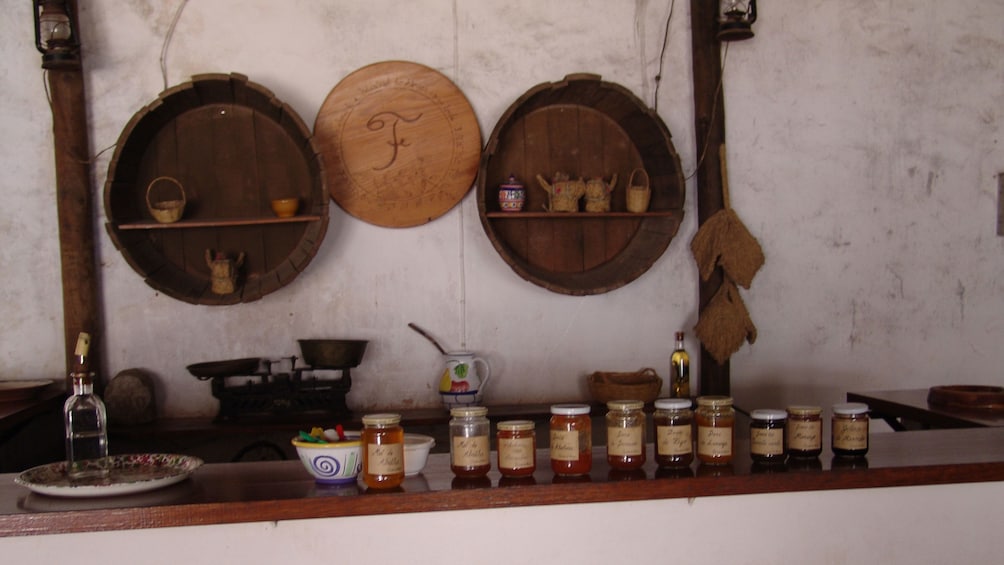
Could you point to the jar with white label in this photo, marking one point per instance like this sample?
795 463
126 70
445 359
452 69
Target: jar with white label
625 434
517 448
674 436
804 431
469 446
767 431
849 434
571 440
382 450
716 421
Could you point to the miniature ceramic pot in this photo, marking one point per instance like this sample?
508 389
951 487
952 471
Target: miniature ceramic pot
512 195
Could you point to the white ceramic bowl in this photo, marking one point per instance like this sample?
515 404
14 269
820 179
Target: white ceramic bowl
336 463
416 452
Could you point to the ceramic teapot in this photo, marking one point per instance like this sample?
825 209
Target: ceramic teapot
461 378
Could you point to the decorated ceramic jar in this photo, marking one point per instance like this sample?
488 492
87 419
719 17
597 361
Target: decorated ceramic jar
512 195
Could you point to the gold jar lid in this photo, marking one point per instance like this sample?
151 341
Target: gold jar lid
799 410
714 401
516 426
381 420
625 405
468 411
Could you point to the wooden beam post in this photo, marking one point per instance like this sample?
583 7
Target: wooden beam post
74 208
709 118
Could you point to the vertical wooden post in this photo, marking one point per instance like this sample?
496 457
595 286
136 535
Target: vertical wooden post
709 117
74 208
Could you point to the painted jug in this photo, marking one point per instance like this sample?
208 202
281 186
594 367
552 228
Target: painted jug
464 374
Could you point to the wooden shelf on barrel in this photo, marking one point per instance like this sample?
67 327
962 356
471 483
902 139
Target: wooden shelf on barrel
220 223
580 215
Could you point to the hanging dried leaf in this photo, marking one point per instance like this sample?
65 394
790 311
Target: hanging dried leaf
724 323
723 240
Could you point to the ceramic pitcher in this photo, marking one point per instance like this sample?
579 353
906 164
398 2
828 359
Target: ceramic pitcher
461 373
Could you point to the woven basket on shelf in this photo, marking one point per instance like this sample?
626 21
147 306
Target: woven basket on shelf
638 193
642 385
166 211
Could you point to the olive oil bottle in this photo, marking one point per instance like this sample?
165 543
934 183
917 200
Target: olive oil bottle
679 370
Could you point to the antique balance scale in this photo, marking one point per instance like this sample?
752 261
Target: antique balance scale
254 387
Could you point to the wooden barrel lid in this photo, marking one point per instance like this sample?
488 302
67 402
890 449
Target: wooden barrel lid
401 143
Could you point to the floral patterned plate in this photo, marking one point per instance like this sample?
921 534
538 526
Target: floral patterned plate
129 474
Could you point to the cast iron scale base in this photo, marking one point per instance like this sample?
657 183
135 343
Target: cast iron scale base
248 388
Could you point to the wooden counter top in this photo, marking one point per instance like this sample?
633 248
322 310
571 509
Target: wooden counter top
282 490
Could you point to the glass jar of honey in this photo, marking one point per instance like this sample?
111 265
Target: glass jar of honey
469 446
625 434
849 431
571 439
767 431
805 431
674 436
517 448
382 450
716 422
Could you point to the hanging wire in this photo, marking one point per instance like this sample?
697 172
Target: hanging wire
167 41
658 82
714 110
48 97
662 56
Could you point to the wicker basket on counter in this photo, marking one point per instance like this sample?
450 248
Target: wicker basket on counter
643 385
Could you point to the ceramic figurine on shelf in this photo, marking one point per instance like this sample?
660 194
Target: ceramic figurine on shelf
223 271
512 195
563 194
598 194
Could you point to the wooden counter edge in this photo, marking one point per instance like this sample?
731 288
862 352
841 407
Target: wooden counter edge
41 523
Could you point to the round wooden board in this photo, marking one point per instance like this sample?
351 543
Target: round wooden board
400 142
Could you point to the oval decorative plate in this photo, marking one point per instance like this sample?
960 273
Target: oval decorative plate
129 474
401 144
11 391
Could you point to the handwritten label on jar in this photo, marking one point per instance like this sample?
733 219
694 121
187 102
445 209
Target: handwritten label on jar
674 440
516 453
470 451
564 445
714 442
386 459
767 441
850 434
805 436
624 441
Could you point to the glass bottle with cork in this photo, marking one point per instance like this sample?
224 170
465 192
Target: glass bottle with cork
679 370
85 421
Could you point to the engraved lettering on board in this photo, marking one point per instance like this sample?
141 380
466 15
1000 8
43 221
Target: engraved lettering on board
376 123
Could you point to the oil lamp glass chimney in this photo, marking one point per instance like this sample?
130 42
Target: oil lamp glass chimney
736 21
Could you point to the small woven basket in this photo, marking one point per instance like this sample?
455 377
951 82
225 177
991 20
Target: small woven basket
166 211
638 192
642 385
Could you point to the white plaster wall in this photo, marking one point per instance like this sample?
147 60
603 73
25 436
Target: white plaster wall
890 526
863 144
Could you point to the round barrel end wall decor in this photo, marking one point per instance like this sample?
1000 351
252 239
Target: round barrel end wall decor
583 149
193 192
401 144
